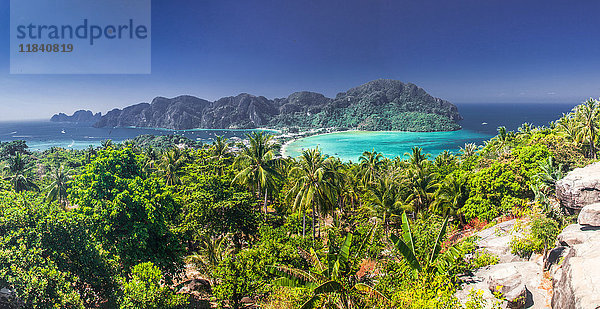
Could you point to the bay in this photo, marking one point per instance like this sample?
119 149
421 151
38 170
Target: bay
480 123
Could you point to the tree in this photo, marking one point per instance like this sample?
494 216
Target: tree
170 166
130 215
451 195
469 150
145 290
335 281
370 165
421 189
18 173
212 251
383 199
588 114
257 162
314 187
417 159
58 187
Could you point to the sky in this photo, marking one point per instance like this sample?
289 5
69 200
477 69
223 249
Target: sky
462 51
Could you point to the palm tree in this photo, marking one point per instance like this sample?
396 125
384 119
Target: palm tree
451 195
569 127
106 143
370 165
212 252
58 187
220 149
416 158
421 187
469 150
588 114
170 166
314 186
257 162
383 199
526 128
150 159
502 135
335 281
17 173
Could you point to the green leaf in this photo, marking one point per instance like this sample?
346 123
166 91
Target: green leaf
345 249
328 287
438 242
406 233
309 304
408 254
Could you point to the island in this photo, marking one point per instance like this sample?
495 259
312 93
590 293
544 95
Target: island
379 105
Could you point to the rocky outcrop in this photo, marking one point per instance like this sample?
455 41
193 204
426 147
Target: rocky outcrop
579 188
576 272
80 116
521 282
590 215
377 105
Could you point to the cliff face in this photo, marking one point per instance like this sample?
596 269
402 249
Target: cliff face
80 116
377 105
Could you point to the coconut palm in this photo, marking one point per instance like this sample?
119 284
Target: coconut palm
370 165
469 150
220 149
314 185
170 166
383 199
18 174
212 251
451 196
57 190
416 158
569 127
421 189
257 161
588 114
106 143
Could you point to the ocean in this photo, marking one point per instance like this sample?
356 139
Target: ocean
41 135
480 123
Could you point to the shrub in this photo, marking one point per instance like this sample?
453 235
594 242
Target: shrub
145 291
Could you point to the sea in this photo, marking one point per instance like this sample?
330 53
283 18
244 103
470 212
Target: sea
479 124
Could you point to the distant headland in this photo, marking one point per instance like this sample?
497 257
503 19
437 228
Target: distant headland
379 105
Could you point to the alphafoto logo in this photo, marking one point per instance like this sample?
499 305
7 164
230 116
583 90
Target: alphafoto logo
80 37
92 33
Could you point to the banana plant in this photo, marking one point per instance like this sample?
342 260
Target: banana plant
405 245
335 282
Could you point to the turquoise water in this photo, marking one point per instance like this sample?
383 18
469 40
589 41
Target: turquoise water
350 145
480 123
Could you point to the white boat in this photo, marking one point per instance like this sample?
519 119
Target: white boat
63 131
484 123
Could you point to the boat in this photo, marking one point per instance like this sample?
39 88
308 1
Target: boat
63 131
484 123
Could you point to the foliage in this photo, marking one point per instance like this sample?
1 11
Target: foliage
145 291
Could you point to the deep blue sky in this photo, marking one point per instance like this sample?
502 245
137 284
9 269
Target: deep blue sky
463 51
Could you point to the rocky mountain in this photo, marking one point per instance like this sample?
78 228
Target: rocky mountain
80 116
377 105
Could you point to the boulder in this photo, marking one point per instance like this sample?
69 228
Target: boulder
554 256
496 240
579 188
590 215
575 234
577 282
506 280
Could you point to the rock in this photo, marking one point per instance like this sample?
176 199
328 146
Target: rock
488 278
554 256
575 234
507 281
195 285
590 215
496 240
579 188
577 282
